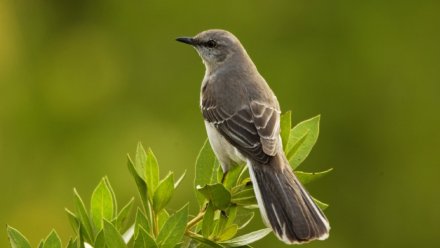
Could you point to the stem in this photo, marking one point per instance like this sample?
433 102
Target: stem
151 218
195 220
155 223
193 234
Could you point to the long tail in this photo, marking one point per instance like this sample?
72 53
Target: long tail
284 203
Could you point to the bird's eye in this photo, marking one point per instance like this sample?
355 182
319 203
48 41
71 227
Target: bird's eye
211 43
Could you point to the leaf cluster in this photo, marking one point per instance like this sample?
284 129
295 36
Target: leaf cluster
225 203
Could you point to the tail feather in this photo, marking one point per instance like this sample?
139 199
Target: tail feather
284 203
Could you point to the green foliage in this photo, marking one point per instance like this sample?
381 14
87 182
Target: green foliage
122 217
308 177
143 239
247 238
225 203
163 193
173 229
285 127
101 205
206 169
217 194
83 218
17 239
302 138
112 236
52 241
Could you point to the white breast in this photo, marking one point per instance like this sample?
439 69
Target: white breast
226 153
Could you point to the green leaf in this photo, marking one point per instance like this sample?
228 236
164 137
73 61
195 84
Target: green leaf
206 241
112 236
115 202
140 183
100 240
320 204
215 225
140 161
52 240
243 178
144 240
151 173
123 214
139 242
173 230
73 243
244 217
147 170
217 194
247 238
141 221
81 236
73 220
245 184
301 141
163 193
244 197
162 218
101 205
308 177
292 150
220 173
208 221
232 214
177 183
229 232
16 239
251 207
186 243
231 177
219 224
83 217
206 170
285 126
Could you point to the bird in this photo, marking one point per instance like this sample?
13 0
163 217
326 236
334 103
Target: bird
242 120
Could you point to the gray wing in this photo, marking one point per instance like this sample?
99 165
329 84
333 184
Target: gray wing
253 130
267 121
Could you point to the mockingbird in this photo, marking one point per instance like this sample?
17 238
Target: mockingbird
242 119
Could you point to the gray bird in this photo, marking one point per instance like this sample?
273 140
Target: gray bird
242 119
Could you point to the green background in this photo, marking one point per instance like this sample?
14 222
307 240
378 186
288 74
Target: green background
81 82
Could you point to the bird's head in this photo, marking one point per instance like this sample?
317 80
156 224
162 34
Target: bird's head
215 46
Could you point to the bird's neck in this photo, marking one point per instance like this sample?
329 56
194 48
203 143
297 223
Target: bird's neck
240 64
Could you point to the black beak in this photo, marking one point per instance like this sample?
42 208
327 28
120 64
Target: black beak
187 40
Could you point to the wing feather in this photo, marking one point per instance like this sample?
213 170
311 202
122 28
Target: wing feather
267 123
253 129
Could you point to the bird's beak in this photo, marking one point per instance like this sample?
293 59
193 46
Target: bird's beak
187 40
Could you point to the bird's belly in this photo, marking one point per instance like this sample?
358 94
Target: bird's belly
226 153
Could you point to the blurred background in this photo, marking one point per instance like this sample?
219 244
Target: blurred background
81 82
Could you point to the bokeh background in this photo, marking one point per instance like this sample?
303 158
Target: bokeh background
81 82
